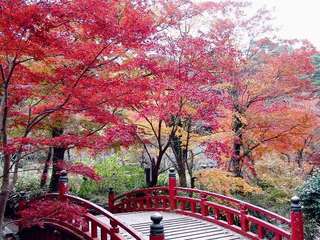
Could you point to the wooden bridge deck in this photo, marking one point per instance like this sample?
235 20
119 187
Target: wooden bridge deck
179 227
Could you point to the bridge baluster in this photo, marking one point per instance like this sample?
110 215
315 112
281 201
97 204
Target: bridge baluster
229 218
244 223
216 213
296 219
148 200
104 235
203 205
114 229
94 229
172 189
156 228
193 206
85 226
278 237
260 232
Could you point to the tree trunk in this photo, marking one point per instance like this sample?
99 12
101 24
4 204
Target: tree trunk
5 181
44 175
155 167
235 162
57 159
181 158
5 190
147 173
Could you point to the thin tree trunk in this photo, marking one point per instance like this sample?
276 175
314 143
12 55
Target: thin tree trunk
5 190
57 160
155 170
235 161
181 158
5 184
44 175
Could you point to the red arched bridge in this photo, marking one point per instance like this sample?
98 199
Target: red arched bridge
186 213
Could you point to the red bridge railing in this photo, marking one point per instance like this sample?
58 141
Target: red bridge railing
244 218
99 224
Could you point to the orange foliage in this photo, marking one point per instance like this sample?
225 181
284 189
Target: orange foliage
224 182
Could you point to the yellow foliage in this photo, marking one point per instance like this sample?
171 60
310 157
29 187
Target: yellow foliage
280 173
223 182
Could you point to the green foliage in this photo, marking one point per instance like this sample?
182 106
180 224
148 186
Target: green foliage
310 198
30 184
163 179
271 197
121 178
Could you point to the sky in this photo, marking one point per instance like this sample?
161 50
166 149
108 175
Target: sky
296 18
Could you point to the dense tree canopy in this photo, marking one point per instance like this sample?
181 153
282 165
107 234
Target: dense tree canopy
94 74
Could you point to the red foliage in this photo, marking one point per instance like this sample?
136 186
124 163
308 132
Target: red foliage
80 169
38 211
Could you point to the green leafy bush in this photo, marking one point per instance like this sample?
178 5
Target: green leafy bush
29 183
310 198
121 178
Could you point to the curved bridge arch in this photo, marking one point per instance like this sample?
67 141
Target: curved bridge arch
241 217
246 219
94 227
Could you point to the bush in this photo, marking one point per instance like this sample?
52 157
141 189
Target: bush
270 197
310 198
30 184
216 180
121 178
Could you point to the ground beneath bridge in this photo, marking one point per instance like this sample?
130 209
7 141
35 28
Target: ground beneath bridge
179 227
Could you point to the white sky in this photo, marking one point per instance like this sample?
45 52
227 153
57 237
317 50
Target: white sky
296 19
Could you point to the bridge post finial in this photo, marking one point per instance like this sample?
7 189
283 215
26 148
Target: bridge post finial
156 228
63 184
172 188
296 217
111 197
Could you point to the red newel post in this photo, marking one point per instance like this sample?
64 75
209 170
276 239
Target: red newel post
172 189
63 184
296 219
111 197
156 228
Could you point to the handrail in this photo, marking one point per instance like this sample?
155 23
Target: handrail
239 216
89 205
139 190
240 203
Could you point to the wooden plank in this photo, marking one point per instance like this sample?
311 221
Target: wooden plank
179 227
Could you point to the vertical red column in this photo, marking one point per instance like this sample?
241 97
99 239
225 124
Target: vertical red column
296 219
244 223
63 184
203 205
172 189
111 197
156 228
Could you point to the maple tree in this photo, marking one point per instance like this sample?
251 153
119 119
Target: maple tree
146 72
180 89
58 60
263 79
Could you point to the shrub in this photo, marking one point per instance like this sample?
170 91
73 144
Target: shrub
310 198
121 178
223 182
29 183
